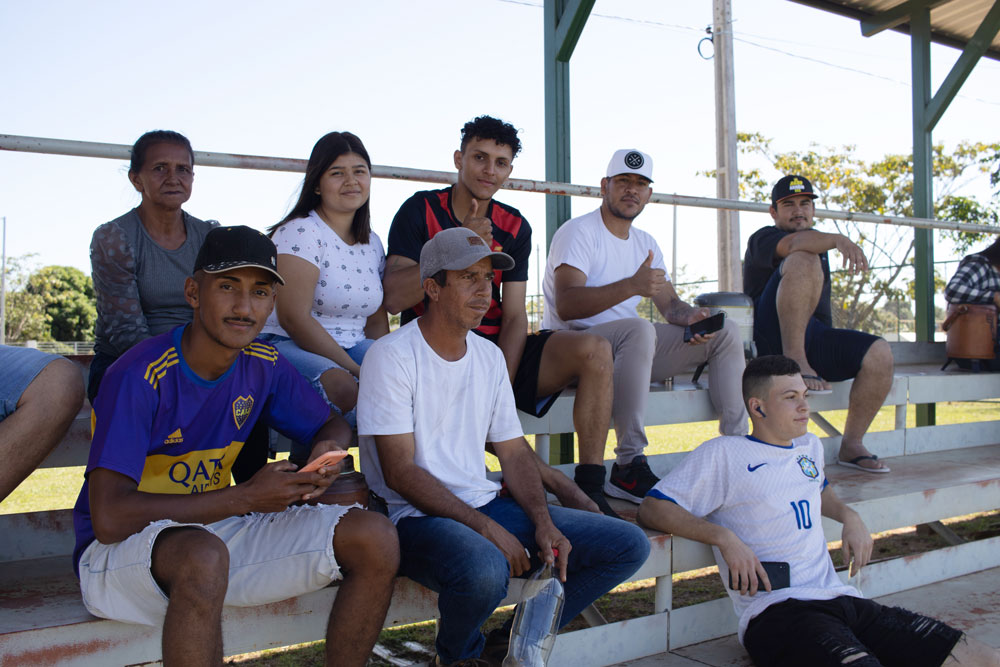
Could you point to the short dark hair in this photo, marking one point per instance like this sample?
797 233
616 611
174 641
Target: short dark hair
488 127
992 253
758 374
441 278
330 147
143 144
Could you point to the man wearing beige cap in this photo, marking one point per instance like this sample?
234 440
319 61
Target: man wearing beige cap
540 365
599 268
431 394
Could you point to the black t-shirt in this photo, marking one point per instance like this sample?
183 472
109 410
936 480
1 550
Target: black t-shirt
761 260
428 212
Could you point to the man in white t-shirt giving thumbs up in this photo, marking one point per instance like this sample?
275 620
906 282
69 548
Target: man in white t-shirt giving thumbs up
599 267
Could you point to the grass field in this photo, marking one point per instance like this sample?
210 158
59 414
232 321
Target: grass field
57 488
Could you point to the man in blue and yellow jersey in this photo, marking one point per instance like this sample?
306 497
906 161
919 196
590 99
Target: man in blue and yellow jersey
162 536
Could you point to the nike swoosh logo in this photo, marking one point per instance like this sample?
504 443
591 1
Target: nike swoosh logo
628 486
751 468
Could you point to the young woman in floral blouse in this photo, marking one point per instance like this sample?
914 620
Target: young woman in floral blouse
330 309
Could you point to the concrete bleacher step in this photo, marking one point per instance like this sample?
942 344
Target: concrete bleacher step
970 603
43 620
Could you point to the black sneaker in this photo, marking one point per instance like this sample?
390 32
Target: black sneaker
497 645
590 479
631 482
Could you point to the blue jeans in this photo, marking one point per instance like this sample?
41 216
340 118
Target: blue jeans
470 574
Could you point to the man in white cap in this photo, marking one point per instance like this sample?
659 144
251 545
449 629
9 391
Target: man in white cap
599 267
431 394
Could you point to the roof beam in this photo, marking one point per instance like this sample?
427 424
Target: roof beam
569 27
896 16
858 15
971 54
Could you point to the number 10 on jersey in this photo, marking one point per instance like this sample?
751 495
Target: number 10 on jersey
803 520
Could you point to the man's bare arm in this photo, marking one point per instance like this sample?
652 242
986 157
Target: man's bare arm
815 242
676 311
574 300
118 509
430 496
514 325
855 538
670 517
520 471
401 284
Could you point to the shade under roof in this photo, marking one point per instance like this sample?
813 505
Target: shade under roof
953 22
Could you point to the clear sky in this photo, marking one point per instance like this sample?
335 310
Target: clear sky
270 78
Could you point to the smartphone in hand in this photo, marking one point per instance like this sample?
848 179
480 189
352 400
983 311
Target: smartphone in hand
324 459
705 326
777 574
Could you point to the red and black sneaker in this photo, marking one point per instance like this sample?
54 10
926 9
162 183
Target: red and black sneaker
631 482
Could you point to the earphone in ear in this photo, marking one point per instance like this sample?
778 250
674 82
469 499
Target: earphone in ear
761 412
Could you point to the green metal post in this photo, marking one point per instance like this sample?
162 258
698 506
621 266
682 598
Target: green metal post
923 175
564 21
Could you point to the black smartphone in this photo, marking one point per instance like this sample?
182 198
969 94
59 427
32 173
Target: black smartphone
705 326
777 574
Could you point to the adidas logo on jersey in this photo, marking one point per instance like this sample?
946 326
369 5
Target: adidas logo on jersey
174 438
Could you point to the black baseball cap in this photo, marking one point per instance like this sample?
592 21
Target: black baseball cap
237 247
789 186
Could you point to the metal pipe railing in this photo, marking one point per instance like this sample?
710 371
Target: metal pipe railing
10 142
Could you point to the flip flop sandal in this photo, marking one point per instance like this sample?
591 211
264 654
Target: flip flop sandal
817 392
853 463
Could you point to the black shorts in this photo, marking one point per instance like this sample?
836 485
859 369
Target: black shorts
828 632
526 377
835 354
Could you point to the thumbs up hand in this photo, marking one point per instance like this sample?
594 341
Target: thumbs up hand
480 225
647 281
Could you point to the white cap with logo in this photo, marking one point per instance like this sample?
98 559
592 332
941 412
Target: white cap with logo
630 161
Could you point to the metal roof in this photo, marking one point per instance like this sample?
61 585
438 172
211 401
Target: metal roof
953 22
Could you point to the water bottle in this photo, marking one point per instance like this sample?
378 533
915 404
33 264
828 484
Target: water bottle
536 619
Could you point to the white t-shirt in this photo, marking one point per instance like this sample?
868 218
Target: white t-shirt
453 408
769 496
586 244
349 288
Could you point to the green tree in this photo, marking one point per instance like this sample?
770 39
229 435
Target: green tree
68 295
845 181
24 312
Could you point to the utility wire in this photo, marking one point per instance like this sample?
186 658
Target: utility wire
744 40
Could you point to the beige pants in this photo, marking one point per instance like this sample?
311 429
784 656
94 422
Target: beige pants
645 352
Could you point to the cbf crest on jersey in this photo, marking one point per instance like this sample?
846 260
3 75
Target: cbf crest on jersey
242 407
808 466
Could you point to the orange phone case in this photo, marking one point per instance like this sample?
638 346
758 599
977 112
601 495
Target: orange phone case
327 458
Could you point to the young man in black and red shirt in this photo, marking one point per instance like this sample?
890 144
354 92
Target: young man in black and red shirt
540 365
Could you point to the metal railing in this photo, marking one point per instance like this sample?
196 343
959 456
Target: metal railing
58 346
10 142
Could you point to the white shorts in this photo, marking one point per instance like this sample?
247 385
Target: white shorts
271 557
